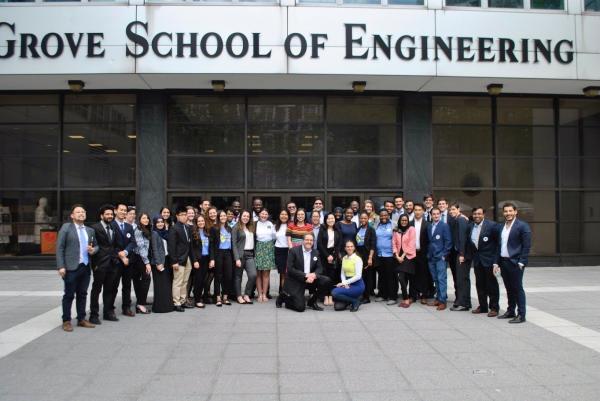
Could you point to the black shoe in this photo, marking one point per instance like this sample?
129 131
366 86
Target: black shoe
459 308
366 301
354 308
269 296
507 315
314 306
279 301
187 306
178 308
340 306
517 319
111 318
95 320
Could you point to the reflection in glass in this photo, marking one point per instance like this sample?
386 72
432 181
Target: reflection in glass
205 172
364 140
579 172
99 171
285 138
364 172
196 139
457 172
29 140
543 238
283 109
104 109
363 110
547 4
524 141
96 139
533 206
506 3
406 2
579 237
206 109
28 172
290 172
458 140
463 3
461 110
29 109
468 199
525 111
526 172
93 200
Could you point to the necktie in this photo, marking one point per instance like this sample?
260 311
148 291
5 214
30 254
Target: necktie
185 230
82 245
444 218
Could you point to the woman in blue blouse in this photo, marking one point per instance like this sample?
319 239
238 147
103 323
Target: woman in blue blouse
347 227
221 258
202 242
388 280
351 287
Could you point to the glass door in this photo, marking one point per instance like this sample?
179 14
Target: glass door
219 200
344 200
273 202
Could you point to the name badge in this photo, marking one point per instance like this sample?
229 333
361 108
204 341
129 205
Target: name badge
437 236
315 258
128 235
485 239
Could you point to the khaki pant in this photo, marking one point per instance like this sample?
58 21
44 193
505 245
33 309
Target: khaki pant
180 280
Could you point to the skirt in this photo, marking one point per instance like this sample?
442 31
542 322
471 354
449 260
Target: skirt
281 255
408 266
264 255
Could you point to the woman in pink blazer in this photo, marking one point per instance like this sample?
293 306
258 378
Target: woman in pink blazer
404 246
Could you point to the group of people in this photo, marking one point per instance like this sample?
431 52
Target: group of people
198 256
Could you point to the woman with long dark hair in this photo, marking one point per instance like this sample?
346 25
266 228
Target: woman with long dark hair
165 214
221 257
366 246
243 238
211 220
296 229
404 243
265 253
351 285
141 268
281 246
161 273
201 238
329 247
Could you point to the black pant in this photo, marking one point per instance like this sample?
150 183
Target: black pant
200 277
104 280
388 279
404 278
322 285
452 261
126 277
76 284
513 281
141 281
223 272
424 282
368 273
487 286
463 284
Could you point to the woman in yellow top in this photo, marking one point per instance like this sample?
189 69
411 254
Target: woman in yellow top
350 290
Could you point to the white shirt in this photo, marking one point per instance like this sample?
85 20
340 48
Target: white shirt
81 228
355 220
307 255
475 234
265 231
280 237
249 244
444 216
505 235
418 231
330 238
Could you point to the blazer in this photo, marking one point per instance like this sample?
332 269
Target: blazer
459 226
485 254
67 246
106 258
405 242
294 284
142 245
180 246
519 242
215 240
238 242
423 235
440 242
124 241
370 239
159 255
322 241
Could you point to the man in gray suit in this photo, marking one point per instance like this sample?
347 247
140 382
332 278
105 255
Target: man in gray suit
75 244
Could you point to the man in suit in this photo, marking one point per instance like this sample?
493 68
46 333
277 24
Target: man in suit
459 228
304 271
125 245
482 245
318 206
397 209
440 244
182 256
424 283
513 253
105 265
428 203
74 247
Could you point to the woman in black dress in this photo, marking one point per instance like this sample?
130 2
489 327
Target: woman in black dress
161 272
329 247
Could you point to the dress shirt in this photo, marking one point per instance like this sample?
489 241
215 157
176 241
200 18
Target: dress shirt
82 234
355 220
249 244
281 237
418 233
265 231
307 255
475 234
384 240
330 238
108 230
445 216
316 235
433 226
505 234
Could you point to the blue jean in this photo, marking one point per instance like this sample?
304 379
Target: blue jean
76 284
437 268
351 295
512 276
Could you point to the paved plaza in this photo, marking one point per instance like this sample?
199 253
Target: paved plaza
258 352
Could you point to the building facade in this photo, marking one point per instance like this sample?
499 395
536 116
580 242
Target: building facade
164 103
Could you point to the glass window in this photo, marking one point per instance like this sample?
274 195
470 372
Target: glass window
579 112
526 172
282 109
92 201
363 110
364 140
197 139
94 139
406 2
582 141
468 199
579 172
506 3
100 171
206 109
543 238
24 218
285 138
103 109
525 141
579 237
580 206
525 111
364 172
285 172
548 4
592 5
533 206
461 110
459 140
362 1
461 173
463 3
205 172
29 109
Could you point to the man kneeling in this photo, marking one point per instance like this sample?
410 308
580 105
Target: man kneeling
304 271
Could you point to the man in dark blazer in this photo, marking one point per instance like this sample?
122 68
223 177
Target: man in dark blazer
75 245
423 287
482 247
105 264
440 244
513 252
318 206
183 257
462 278
304 271
125 245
